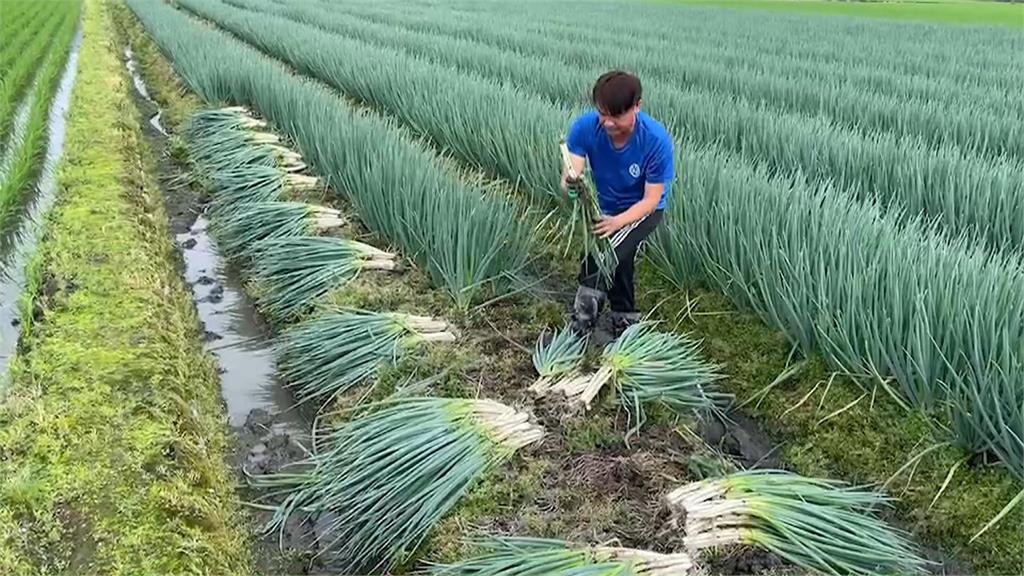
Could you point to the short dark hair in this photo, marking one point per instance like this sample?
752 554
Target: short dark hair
616 91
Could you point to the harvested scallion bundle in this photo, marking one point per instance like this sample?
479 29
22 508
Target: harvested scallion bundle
557 360
331 353
534 556
223 139
648 366
293 272
240 228
383 480
817 524
583 213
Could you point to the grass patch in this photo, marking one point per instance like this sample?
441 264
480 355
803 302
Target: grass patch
942 11
867 443
112 437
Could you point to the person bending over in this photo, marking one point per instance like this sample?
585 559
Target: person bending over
631 161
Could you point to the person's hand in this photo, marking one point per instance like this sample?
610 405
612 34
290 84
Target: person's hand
608 225
568 183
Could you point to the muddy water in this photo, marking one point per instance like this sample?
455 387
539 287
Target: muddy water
16 248
140 88
249 385
248 381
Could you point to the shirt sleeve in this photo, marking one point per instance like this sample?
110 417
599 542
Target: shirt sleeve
578 139
661 166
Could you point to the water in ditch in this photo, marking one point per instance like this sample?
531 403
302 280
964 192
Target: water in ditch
17 246
253 396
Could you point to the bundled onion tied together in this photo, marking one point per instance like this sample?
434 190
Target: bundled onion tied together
379 483
644 366
532 556
294 272
239 230
817 524
333 352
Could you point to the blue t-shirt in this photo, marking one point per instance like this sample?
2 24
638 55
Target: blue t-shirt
620 174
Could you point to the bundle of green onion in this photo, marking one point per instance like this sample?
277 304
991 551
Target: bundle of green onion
647 366
228 138
383 480
583 212
331 353
240 228
817 524
558 360
294 272
536 557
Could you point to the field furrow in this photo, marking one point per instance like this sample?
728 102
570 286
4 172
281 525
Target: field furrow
827 270
962 194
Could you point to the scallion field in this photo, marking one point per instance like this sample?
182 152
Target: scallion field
287 288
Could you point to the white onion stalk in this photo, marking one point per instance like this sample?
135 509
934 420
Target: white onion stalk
325 218
425 328
506 426
301 182
649 563
263 137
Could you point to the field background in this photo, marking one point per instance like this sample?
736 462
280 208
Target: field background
947 11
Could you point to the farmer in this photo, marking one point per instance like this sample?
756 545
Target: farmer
631 160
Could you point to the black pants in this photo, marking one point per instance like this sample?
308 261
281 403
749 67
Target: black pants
627 242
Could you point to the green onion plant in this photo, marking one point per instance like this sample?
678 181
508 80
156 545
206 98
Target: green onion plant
294 272
512 556
331 353
239 229
646 366
817 524
557 360
380 482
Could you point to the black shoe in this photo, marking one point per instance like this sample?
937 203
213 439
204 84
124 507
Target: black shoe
621 321
586 308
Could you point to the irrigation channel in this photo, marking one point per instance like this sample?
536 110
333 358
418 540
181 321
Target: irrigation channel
269 431
20 242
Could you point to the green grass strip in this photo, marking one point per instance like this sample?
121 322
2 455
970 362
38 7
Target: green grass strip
111 431
963 12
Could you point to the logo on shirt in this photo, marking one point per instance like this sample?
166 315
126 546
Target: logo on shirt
634 170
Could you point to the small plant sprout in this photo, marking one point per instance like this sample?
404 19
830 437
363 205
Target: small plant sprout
557 360
382 481
510 556
819 525
331 353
